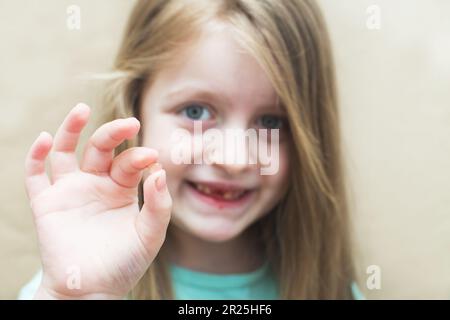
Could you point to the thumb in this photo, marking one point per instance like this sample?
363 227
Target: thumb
153 220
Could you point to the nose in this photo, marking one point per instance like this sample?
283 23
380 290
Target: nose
236 152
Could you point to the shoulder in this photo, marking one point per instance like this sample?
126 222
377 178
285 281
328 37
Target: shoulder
356 292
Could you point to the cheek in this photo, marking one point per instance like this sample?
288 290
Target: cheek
284 164
277 183
157 132
157 135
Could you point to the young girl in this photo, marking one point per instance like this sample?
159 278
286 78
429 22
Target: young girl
193 230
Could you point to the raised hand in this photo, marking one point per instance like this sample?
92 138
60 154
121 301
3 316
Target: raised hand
93 239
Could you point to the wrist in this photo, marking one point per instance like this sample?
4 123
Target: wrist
44 293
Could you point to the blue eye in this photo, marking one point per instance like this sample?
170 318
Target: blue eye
271 122
196 112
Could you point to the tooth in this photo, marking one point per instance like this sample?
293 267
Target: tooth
233 194
203 188
227 195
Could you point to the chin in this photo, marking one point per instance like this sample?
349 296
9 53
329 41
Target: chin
218 232
217 236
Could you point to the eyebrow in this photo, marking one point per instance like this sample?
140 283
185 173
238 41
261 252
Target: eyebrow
196 91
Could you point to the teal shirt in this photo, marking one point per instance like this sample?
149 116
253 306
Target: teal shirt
258 284
189 284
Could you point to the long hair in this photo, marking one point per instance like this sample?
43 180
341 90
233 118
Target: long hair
307 236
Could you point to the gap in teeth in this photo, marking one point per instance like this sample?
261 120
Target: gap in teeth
227 195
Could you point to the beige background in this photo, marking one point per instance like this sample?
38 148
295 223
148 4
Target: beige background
395 97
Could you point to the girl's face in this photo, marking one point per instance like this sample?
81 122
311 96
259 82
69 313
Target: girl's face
215 83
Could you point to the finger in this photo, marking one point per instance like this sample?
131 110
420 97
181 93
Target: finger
99 152
63 158
152 221
127 167
36 179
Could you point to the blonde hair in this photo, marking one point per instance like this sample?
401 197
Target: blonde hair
307 236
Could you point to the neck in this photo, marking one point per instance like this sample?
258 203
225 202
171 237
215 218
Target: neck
241 254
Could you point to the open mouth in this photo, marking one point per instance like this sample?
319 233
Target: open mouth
220 192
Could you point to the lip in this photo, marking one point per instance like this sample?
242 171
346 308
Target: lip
241 202
224 186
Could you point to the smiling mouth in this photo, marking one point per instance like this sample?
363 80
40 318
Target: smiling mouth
218 192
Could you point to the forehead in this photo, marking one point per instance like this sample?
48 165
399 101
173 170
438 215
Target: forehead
216 64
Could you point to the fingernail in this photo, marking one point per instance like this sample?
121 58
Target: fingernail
81 106
43 134
155 167
160 182
135 121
